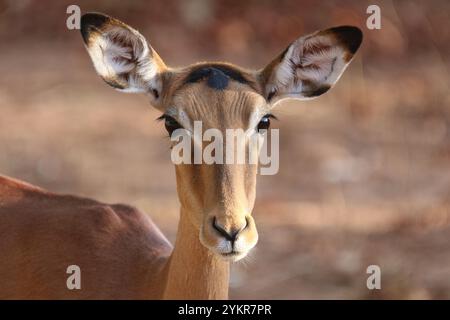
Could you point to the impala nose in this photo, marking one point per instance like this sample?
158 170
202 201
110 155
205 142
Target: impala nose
230 234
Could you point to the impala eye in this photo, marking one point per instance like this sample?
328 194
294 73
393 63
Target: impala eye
170 123
264 123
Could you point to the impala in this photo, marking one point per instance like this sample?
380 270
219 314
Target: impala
121 253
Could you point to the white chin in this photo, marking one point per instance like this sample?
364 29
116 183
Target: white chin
232 257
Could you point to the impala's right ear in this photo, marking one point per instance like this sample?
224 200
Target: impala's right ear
121 55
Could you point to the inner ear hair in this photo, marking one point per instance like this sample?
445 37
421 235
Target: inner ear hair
121 55
311 65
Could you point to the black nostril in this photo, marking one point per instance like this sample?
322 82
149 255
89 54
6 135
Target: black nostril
246 224
231 236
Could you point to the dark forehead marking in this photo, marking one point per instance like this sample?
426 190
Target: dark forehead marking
217 75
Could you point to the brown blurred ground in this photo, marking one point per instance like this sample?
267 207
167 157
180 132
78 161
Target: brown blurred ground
365 169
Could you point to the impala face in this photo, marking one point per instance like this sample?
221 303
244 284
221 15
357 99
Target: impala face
218 198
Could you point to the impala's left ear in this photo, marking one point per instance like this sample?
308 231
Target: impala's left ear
311 65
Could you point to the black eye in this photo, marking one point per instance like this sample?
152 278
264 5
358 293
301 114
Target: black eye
171 124
264 123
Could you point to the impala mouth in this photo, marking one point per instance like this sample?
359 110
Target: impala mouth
230 254
233 255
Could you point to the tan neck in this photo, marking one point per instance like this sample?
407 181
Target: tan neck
193 272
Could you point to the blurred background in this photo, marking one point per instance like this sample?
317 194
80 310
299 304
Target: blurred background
364 170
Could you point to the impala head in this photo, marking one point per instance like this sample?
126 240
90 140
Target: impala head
218 198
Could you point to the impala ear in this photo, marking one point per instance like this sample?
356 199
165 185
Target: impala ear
121 55
311 65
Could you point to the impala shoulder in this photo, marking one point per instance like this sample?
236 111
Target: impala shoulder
127 213
98 214
123 218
